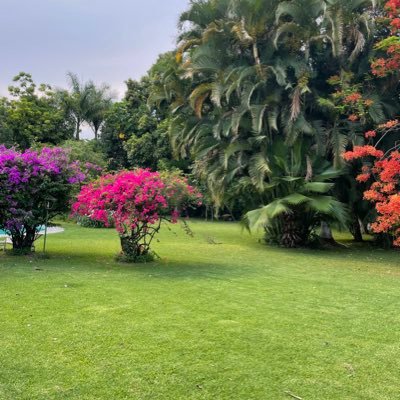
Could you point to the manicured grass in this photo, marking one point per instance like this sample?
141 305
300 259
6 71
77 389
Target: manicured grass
234 320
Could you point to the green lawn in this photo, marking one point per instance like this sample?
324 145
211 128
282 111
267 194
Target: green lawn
233 320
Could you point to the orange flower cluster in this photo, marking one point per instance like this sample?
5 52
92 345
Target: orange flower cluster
393 8
389 124
363 177
353 117
385 193
370 134
352 98
389 217
362 152
348 97
368 102
383 67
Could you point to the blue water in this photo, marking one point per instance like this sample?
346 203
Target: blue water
39 229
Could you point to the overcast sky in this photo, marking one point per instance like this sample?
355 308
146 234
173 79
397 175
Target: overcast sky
104 40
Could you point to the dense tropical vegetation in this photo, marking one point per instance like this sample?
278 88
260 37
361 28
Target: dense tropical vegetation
247 79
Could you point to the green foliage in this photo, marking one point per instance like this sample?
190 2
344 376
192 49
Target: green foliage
152 149
299 193
116 130
387 42
86 151
33 115
136 135
137 259
248 73
86 222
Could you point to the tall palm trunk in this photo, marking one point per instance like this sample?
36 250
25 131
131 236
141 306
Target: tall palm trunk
78 129
291 235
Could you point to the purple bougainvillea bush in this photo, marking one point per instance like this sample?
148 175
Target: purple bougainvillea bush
32 185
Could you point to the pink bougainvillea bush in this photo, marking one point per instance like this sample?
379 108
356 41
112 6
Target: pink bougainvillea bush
137 201
33 186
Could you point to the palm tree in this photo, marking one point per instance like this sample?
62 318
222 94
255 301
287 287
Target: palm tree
299 201
248 73
238 83
78 101
86 103
100 101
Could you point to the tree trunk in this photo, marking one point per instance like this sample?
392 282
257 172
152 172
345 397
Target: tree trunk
23 242
130 247
326 232
78 129
132 250
291 236
356 230
326 236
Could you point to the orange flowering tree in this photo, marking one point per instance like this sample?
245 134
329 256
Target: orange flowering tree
381 155
383 169
389 64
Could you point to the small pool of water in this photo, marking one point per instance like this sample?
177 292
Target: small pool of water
39 229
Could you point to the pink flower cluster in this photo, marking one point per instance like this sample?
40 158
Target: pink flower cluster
135 199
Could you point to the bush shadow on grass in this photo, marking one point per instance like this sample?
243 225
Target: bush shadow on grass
351 251
200 261
163 268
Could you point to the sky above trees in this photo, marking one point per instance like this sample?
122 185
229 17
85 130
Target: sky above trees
107 41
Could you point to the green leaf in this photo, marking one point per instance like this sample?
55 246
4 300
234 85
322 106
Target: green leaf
318 187
296 199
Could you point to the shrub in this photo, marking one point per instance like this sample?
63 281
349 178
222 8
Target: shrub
34 186
87 222
139 201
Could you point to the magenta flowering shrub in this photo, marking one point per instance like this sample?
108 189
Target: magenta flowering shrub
137 201
30 181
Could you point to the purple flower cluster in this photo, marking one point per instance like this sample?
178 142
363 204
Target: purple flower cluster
29 180
20 168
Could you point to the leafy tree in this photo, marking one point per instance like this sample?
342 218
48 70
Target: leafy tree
85 151
381 156
117 127
383 168
136 135
151 149
100 102
32 115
